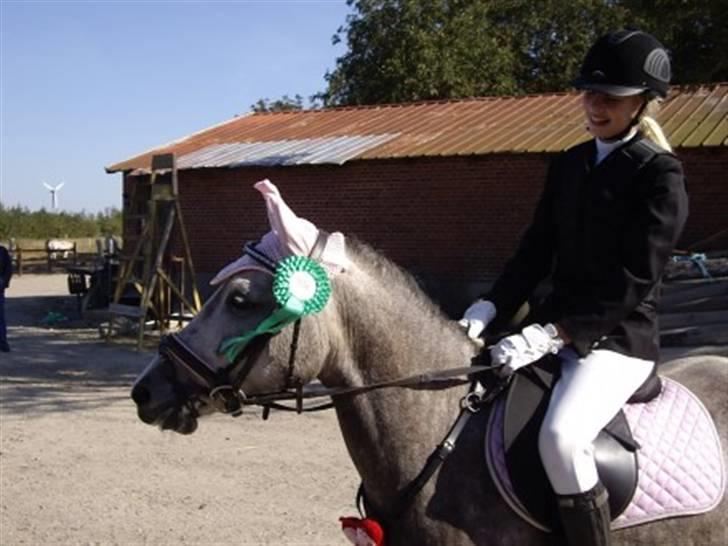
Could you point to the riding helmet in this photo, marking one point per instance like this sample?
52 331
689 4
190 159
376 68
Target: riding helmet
626 62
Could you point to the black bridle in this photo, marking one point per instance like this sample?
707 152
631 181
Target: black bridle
224 387
224 384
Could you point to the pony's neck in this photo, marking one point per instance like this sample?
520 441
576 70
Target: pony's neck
390 330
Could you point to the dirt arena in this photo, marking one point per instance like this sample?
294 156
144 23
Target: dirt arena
78 467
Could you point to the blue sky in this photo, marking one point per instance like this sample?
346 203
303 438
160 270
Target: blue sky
87 84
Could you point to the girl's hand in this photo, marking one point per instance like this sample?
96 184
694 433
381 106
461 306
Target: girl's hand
477 317
519 350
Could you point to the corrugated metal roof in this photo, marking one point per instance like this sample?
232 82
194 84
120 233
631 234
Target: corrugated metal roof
309 151
692 116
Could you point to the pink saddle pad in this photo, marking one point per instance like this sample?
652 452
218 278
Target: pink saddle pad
681 466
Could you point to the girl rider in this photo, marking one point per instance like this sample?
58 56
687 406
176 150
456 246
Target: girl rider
610 215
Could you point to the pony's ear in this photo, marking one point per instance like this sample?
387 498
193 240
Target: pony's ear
297 235
334 258
289 235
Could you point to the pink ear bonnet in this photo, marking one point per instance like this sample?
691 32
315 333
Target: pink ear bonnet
289 236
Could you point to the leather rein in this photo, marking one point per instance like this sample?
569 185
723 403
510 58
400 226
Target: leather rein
224 384
224 388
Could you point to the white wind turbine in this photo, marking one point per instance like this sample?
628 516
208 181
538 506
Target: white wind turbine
54 191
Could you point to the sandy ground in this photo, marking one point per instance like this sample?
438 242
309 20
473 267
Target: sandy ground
78 467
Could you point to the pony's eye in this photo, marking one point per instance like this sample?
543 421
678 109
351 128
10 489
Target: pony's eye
239 302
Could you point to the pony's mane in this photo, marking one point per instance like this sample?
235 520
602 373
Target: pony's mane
391 275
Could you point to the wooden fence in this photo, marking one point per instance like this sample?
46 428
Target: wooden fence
694 312
36 258
33 255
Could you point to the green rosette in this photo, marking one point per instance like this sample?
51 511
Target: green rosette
300 287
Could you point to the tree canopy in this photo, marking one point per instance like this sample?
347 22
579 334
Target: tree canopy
409 50
20 222
695 32
284 104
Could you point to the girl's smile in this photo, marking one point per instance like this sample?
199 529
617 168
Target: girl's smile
607 116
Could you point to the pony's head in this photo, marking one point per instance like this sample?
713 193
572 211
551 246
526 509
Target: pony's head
250 339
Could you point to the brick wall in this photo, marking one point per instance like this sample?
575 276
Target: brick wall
451 217
706 171
455 218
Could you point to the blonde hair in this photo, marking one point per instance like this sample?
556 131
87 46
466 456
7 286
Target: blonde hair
650 128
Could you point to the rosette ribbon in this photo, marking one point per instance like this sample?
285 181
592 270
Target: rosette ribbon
300 287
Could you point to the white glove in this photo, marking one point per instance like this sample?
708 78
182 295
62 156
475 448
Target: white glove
477 317
522 349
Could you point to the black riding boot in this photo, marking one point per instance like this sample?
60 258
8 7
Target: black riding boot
585 517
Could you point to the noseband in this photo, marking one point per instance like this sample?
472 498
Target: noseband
224 384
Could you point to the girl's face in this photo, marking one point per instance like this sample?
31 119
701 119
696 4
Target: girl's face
608 115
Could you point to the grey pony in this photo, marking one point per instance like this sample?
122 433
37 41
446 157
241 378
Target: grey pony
379 326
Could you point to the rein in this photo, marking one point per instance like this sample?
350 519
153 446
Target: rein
477 398
224 384
227 397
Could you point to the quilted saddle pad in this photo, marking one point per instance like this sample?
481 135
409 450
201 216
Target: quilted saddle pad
681 465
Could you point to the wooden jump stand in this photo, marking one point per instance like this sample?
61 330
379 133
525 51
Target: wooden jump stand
161 280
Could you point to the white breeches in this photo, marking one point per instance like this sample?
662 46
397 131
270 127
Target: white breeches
588 395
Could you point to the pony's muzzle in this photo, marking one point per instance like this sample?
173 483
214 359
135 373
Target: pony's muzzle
153 392
140 394
145 409
142 397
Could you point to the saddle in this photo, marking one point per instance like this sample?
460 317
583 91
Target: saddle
615 448
643 481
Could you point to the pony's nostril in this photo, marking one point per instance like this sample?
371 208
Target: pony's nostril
140 395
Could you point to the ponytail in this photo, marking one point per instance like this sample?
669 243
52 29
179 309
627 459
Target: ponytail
651 129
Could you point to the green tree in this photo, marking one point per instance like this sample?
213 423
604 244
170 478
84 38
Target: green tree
695 31
19 222
551 37
409 50
284 104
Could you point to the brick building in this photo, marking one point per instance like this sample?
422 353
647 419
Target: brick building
442 188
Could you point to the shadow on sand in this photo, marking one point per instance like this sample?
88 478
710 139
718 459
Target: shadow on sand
63 368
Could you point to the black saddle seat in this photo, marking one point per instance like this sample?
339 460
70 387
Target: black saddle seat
615 448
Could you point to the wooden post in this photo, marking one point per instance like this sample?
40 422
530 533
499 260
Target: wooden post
19 261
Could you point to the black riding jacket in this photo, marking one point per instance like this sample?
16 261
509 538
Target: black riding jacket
6 268
604 234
